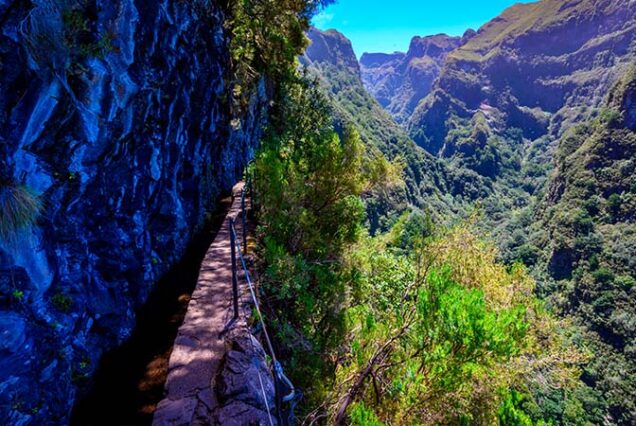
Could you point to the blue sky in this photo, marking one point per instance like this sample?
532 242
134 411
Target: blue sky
387 26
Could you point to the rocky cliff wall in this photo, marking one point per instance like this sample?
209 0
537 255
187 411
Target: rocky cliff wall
114 116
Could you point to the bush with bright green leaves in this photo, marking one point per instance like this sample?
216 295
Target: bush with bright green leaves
446 335
308 184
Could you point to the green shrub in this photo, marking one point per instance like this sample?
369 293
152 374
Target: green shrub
361 415
614 203
511 411
583 222
603 275
609 116
528 254
443 336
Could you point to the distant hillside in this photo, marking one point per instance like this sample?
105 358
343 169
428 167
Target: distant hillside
399 81
539 67
586 234
331 59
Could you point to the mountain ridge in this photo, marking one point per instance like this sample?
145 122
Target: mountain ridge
399 81
537 64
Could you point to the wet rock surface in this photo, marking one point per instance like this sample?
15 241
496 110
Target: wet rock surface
115 115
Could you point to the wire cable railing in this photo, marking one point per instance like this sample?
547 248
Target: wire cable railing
285 391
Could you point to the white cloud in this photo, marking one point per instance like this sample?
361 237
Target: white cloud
322 19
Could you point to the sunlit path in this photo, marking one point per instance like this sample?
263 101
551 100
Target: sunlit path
199 346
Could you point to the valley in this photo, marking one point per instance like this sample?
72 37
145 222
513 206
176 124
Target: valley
517 126
439 234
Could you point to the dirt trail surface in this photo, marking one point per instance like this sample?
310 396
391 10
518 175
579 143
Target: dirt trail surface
199 347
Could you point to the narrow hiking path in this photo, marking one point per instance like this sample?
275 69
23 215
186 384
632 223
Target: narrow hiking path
130 380
200 346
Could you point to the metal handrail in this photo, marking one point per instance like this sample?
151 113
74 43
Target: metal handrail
279 375
251 288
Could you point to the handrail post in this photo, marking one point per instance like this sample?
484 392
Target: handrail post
244 219
253 200
234 277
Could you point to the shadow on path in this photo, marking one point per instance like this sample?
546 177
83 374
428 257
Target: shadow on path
130 380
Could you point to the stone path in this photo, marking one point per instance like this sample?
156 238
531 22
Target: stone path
199 346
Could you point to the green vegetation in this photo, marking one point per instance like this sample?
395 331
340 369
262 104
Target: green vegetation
441 333
415 326
425 324
19 210
62 302
574 231
587 228
309 183
266 38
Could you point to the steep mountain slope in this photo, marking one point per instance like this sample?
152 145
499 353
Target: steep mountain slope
447 188
399 81
508 106
330 58
507 93
537 67
590 243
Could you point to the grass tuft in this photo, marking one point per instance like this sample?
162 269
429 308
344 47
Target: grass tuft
19 209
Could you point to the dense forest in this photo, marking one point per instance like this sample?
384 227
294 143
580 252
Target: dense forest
441 236
528 202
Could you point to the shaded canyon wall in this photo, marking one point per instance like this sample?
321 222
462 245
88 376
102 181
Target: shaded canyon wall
114 116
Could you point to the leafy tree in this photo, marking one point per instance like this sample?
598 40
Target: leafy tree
309 184
266 38
442 335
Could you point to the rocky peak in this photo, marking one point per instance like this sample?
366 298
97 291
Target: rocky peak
436 46
400 81
377 60
331 47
